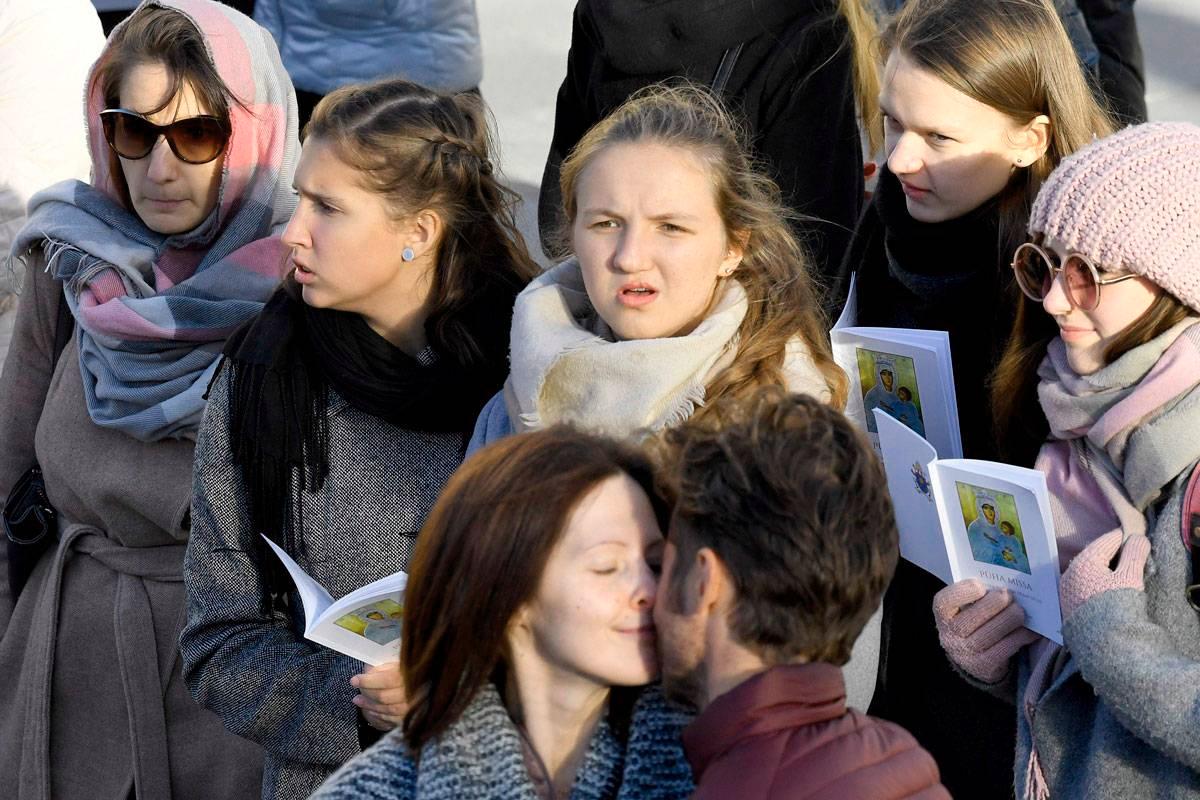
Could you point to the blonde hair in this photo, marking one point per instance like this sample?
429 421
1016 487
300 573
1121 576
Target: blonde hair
864 53
1014 56
774 270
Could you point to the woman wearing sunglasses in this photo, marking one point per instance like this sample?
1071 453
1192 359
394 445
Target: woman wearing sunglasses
343 409
145 272
1115 268
980 102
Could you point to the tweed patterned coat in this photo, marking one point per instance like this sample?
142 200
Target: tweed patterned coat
480 757
252 666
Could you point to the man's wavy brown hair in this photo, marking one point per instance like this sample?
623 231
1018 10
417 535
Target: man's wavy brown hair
792 500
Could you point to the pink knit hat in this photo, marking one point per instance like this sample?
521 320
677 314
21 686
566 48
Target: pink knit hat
1131 202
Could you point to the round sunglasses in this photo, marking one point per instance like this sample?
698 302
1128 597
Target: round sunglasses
194 140
1035 269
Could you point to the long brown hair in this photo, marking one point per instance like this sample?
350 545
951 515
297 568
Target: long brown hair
774 271
1014 56
480 558
419 149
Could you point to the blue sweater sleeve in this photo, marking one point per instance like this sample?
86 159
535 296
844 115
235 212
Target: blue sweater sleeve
246 663
492 425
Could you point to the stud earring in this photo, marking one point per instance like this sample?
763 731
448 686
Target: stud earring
407 254
1020 162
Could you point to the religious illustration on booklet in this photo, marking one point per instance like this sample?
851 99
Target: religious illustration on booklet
364 624
906 374
965 518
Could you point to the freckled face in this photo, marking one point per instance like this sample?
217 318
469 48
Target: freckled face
650 240
592 616
169 195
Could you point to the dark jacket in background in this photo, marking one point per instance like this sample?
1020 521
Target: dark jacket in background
792 81
786 734
1105 37
1120 70
938 276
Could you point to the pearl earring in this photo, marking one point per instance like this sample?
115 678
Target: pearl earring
407 254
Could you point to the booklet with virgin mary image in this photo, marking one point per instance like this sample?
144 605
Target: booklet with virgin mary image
964 518
905 373
364 624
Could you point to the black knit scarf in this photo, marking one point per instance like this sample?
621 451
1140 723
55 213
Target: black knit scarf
943 276
942 262
282 367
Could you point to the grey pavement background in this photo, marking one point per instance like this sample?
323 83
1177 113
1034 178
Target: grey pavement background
525 45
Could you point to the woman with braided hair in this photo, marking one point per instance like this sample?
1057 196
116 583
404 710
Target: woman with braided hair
342 409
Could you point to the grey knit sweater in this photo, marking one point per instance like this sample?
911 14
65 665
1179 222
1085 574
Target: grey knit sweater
252 667
480 757
1121 718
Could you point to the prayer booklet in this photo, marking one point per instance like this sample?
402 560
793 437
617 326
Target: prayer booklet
904 372
364 624
964 518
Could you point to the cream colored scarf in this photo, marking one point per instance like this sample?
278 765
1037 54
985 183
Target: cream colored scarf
567 366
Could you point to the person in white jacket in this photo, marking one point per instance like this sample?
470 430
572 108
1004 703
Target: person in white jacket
46 50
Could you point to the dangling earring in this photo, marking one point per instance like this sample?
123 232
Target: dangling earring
407 254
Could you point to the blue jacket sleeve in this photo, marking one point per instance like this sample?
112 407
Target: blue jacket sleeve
492 425
246 662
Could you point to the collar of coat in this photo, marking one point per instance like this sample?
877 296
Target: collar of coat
482 751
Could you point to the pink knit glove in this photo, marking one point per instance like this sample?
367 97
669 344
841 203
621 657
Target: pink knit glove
1088 574
980 629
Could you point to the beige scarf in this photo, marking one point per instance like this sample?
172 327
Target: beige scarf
568 367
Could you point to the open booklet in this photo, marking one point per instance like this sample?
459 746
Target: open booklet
904 372
364 624
963 518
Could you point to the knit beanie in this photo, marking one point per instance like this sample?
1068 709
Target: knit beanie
1131 203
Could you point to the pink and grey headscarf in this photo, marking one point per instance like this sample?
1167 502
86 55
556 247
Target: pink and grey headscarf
154 310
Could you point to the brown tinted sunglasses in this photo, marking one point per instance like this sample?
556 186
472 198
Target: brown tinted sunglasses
194 140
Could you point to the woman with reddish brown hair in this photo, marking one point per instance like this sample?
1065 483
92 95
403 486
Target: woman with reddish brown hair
528 636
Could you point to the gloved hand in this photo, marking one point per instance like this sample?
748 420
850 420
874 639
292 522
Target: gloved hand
1088 574
980 629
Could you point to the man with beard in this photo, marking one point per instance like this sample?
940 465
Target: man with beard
779 549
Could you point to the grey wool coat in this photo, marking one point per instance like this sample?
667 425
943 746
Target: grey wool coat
251 664
93 702
1121 718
